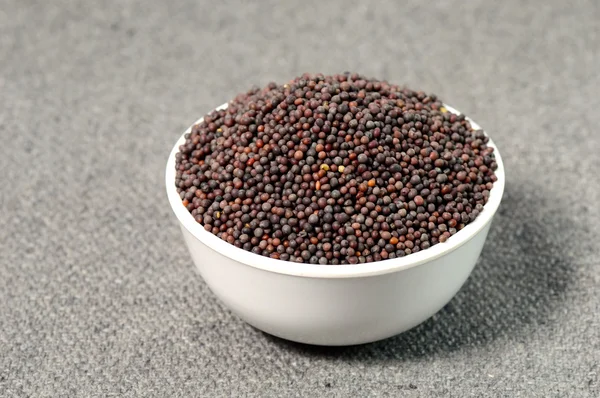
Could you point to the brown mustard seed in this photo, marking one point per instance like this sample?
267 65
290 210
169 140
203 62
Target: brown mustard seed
333 170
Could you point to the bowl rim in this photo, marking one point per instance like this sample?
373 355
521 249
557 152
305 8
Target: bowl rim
285 267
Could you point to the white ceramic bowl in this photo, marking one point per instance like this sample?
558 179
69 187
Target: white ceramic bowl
335 304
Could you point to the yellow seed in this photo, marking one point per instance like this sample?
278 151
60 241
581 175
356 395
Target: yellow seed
286 86
218 214
219 130
341 169
247 225
325 167
443 110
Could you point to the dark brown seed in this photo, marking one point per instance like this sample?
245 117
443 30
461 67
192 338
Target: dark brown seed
385 235
318 171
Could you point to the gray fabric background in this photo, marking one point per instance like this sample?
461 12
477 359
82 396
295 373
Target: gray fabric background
98 295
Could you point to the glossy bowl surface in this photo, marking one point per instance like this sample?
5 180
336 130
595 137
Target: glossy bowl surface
341 304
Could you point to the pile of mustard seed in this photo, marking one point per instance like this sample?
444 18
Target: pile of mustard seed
337 169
